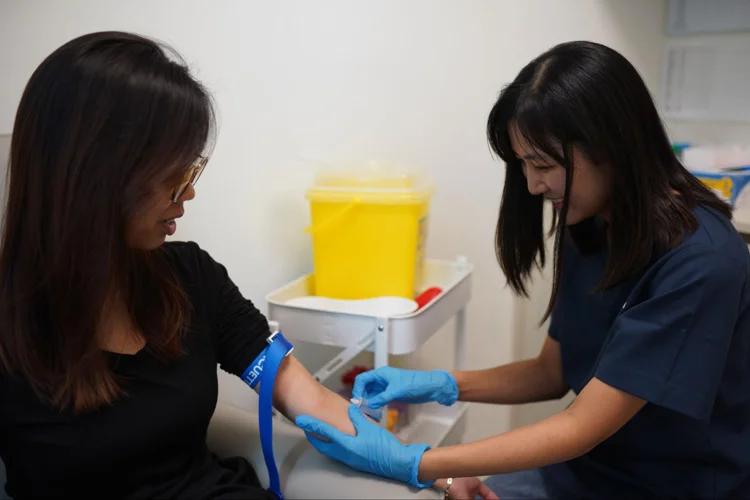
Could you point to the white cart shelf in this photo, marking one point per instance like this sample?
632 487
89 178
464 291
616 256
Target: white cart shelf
432 424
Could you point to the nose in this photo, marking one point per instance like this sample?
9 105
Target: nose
188 195
534 181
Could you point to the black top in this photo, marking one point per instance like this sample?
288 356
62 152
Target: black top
151 442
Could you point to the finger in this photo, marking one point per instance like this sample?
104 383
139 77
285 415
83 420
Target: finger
357 418
322 429
361 382
321 446
484 491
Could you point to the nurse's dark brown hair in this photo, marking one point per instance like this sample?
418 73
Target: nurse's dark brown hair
103 121
587 95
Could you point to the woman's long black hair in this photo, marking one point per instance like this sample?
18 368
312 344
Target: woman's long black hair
586 95
104 121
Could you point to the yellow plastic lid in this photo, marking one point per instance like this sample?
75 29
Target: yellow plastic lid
371 183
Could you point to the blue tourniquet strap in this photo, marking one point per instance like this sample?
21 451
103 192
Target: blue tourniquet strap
278 349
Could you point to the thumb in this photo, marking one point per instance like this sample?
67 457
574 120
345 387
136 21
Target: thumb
322 429
321 446
360 383
358 419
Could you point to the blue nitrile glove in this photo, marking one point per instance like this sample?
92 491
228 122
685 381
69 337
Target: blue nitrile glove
387 384
373 450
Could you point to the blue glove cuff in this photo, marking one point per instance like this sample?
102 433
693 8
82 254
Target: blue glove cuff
450 391
414 480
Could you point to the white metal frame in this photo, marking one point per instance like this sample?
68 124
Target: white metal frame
388 335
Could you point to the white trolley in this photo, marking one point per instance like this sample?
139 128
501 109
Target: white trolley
432 424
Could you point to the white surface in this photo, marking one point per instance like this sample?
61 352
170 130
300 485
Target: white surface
707 79
688 17
741 221
436 425
408 82
405 333
4 152
711 131
383 307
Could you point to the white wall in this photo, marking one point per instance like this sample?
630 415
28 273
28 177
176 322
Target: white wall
407 81
4 153
706 132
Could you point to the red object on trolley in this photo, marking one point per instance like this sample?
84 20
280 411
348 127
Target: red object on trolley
348 378
427 296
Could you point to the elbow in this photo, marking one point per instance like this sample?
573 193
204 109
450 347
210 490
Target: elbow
582 436
585 446
573 441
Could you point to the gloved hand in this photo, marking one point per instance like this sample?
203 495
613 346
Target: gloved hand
387 384
373 449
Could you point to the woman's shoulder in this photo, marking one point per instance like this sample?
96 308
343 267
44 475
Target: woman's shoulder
191 262
182 249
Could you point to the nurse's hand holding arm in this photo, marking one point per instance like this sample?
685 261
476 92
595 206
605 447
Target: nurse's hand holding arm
376 451
597 413
296 392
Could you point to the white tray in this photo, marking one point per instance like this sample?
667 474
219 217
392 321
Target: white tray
405 333
436 425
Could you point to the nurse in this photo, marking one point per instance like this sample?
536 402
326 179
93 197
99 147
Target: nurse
650 324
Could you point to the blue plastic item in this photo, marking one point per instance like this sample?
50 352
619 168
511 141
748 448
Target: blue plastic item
264 369
374 413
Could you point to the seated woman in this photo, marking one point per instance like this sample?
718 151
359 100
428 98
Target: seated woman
111 337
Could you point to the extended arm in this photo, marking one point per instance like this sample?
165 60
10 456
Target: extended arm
296 393
597 413
528 381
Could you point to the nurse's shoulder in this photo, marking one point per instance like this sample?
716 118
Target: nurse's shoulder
716 232
714 256
686 323
714 248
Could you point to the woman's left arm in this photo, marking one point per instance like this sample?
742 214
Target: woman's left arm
296 393
598 412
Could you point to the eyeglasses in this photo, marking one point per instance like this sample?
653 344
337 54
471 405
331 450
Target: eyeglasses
190 178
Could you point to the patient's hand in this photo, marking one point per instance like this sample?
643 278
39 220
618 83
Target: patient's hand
466 488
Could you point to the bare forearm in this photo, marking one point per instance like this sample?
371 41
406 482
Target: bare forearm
553 440
598 412
515 383
296 392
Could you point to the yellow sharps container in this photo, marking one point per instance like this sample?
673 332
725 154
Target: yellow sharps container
368 231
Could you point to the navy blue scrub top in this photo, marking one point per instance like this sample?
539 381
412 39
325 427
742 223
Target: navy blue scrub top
678 336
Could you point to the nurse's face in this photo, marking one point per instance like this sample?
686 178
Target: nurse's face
545 177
